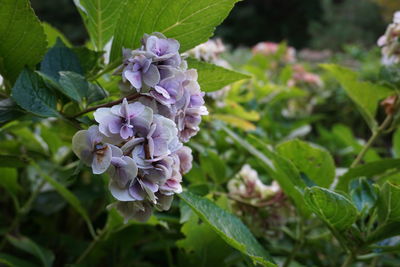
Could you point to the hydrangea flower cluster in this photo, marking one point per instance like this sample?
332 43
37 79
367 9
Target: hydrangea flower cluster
390 42
270 48
248 187
140 144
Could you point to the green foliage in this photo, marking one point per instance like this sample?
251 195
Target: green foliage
311 160
190 22
212 77
31 94
334 209
22 39
228 227
100 18
23 243
366 95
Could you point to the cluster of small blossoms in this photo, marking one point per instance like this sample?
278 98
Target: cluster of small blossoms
302 76
270 48
390 42
140 144
248 187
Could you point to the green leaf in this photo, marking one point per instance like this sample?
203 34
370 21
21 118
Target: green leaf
73 85
27 245
60 58
388 206
100 18
95 93
334 209
202 243
366 95
67 195
90 61
228 227
212 77
190 22
279 169
363 194
12 261
389 203
53 34
12 161
9 110
213 165
9 180
316 162
31 94
367 170
22 39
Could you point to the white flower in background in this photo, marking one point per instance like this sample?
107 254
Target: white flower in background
210 52
247 186
390 42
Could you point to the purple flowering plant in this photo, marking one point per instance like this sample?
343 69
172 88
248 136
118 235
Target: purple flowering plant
141 148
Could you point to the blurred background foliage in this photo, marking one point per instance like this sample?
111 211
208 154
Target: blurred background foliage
311 23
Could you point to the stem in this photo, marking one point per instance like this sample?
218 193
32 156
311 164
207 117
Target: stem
104 71
22 211
91 246
110 104
299 244
371 140
348 260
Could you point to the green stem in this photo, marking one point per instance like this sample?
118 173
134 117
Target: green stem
109 68
348 260
371 140
91 246
297 246
22 211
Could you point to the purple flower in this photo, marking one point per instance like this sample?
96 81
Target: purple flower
185 159
123 170
88 145
162 133
173 183
164 201
162 48
190 107
140 211
123 120
138 69
169 90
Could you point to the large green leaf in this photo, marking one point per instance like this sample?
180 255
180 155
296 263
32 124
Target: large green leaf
73 85
316 162
22 39
213 77
228 227
27 245
60 58
365 94
190 22
280 169
367 170
100 18
31 94
334 209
